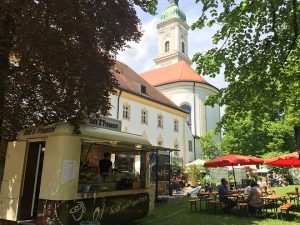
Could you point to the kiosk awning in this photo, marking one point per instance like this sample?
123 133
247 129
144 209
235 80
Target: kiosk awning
93 134
88 133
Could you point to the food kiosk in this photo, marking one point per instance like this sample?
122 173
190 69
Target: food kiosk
51 176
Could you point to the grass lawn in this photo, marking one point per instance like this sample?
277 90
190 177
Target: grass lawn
177 212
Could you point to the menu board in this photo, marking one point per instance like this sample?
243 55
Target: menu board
216 174
240 173
70 168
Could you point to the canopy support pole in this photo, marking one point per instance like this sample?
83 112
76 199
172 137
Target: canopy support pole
234 176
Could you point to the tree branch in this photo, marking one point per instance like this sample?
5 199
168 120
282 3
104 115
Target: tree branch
295 29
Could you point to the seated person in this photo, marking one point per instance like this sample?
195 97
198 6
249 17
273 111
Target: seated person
247 189
105 166
223 191
254 197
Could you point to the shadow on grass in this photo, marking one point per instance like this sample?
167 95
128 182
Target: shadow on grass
177 212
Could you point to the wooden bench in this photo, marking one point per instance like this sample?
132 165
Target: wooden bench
285 209
193 203
243 206
214 205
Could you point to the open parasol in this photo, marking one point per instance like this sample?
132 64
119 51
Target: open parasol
233 160
286 160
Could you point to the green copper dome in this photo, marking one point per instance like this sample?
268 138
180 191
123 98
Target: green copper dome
173 12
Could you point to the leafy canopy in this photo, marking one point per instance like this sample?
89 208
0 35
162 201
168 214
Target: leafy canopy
248 137
258 47
56 58
210 148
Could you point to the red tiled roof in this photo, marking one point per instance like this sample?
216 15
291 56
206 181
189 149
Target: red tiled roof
180 71
130 81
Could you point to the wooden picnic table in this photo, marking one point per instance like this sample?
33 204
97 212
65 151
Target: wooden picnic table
213 194
238 196
271 201
207 196
208 193
272 197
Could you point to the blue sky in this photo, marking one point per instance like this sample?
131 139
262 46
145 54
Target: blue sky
140 55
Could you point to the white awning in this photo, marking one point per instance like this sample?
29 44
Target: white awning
196 162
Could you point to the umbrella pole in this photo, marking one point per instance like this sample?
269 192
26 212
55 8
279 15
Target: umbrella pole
234 177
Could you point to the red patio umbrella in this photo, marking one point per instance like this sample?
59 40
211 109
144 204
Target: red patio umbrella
286 160
233 160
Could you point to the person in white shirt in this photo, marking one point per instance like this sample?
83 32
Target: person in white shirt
247 190
254 197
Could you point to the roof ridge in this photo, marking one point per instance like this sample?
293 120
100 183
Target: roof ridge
181 72
126 78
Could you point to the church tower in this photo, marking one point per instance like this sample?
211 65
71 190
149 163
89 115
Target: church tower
173 36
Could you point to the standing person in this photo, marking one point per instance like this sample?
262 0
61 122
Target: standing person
223 192
105 166
254 197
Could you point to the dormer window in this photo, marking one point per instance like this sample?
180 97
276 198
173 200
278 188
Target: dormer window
143 89
167 46
182 47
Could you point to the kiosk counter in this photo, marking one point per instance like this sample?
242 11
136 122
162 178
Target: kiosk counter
52 176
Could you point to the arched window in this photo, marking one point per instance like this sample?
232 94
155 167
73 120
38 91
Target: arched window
167 46
188 109
182 47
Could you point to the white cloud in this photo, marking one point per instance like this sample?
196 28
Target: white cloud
140 55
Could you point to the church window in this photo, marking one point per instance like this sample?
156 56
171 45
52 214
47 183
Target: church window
144 116
167 46
160 121
176 125
182 47
176 146
190 145
126 111
188 109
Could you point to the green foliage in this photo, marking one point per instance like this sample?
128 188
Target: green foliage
194 174
57 58
258 46
176 169
210 148
249 137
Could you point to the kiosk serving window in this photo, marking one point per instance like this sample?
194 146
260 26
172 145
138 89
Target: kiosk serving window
126 168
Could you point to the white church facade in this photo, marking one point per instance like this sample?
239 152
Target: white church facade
166 104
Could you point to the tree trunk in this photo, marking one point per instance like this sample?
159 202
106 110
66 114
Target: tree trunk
6 37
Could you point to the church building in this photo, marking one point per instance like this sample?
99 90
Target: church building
175 78
167 104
